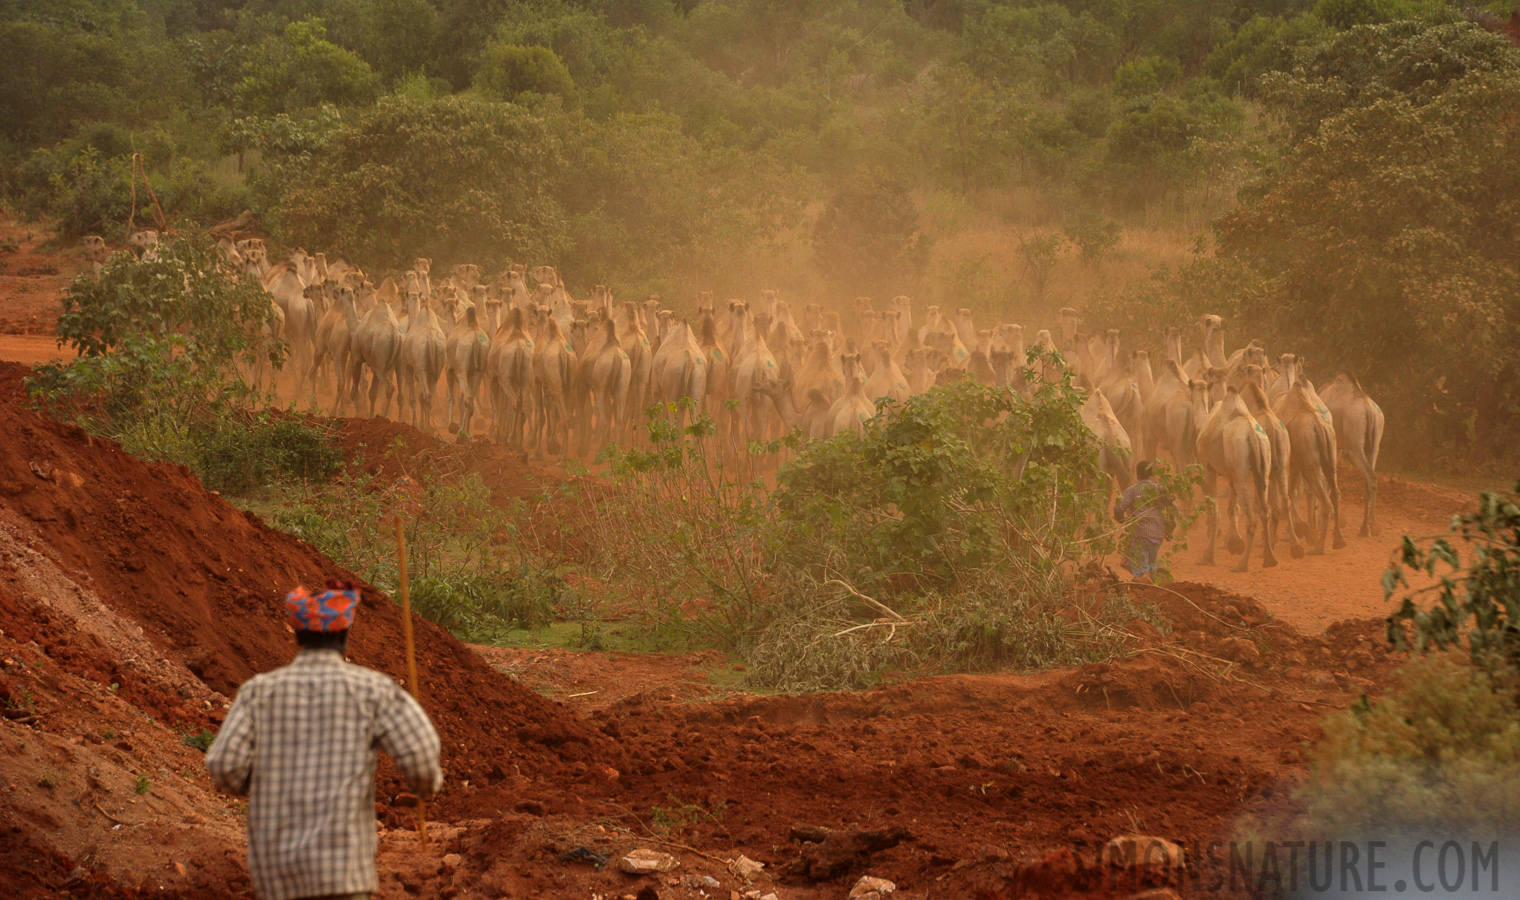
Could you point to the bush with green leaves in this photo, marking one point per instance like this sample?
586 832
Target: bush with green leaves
162 344
507 70
1476 589
946 538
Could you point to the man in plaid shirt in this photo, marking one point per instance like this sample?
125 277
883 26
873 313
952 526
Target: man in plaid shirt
301 741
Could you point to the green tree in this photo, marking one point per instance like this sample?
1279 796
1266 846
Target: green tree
301 69
867 239
507 70
457 179
1386 245
1407 61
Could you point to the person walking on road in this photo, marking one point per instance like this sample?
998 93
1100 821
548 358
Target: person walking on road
301 742
1143 505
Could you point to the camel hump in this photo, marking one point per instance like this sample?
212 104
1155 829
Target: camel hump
609 331
1352 380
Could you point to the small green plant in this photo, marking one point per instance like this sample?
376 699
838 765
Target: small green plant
109 736
25 701
49 780
201 739
142 785
681 815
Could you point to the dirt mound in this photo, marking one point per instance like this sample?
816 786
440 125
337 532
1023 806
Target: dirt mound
137 581
393 451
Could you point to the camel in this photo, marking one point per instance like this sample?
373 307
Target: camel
1279 500
1122 392
466 350
1174 344
887 380
1311 464
1210 353
376 344
554 377
423 267
979 363
1290 368
753 363
904 309
719 370
1171 421
640 356
867 320
607 376
1358 424
1116 454
851 411
820 369
1232 444
423 349
144 245
680 371
514 289
1140 368
96 251
949 343
510 363
300 330
333 343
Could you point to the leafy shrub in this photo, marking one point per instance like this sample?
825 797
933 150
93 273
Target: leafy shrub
1483 590
201 739
479 606
238 457
1440 752
508 70
301 69
945 538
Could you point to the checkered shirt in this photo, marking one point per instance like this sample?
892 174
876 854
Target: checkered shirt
302 741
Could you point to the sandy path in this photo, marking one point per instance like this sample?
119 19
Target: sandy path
1313 592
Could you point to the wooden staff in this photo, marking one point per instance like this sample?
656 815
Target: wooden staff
411 659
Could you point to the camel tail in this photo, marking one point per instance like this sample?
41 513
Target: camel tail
1261 462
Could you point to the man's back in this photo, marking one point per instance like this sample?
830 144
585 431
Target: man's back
302 742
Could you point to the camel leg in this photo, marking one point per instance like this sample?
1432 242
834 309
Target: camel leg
1283 510
1232 536
1211 491
1242 499
452 401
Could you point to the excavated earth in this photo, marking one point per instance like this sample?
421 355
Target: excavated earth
133 603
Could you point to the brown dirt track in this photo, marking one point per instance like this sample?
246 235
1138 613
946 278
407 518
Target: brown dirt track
115 572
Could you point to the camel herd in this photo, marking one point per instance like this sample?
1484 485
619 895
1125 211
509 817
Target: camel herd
556 376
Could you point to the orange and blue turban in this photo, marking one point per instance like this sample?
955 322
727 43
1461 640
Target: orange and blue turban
330 611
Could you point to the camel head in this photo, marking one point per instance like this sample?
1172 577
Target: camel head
984 342
904 305
831 322
580 331
144 244
544 275
467 275
882 351
1008 337
949 375
95 248
849 364
1255 355
1067 319
863 307
423 266
888 318
812 316
773 388
545 293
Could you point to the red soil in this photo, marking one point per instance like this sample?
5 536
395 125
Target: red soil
990 776
115 572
